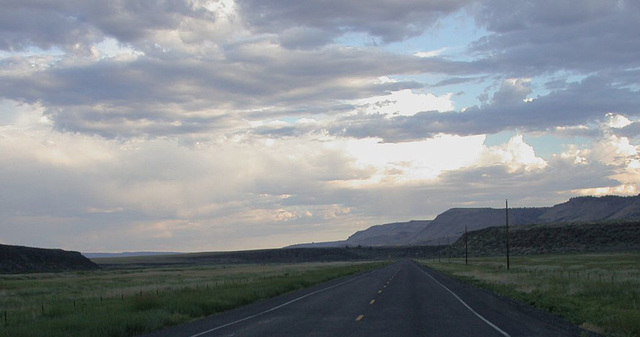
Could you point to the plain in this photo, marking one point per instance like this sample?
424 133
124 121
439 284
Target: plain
130 301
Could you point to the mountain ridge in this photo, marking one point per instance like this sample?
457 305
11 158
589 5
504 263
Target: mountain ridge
448 226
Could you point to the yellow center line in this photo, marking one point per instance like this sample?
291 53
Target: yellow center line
379 291
372 301
359 318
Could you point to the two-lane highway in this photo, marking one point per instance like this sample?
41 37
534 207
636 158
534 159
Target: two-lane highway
403 299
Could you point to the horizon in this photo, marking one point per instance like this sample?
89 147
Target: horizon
147 253
239 125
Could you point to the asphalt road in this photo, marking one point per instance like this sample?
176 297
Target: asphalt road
403 299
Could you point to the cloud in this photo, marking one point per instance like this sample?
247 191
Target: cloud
304 38
404 116
516 155
71 23
404 103
615 121
576 105
247 124
388 20
401 163
162 188
154 97
512 91
533 37
116 194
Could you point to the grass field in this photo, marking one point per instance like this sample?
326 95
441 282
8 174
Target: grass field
600 292
131 301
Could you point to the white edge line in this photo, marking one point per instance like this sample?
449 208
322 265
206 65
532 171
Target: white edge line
466 305
279 306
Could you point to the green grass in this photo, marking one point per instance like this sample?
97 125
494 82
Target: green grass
600 292
128 302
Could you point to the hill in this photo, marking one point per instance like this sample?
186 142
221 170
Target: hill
450 225
328 244
551 238
19 259
394 234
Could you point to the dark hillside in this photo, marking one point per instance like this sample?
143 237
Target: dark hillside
556 238
18 259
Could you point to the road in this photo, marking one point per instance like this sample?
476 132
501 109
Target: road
403 299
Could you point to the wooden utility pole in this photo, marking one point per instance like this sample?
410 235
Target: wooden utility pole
466 246
507 222
448 250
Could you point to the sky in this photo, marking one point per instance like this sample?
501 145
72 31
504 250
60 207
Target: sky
197 125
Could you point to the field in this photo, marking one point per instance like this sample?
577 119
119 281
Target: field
126 301
600 291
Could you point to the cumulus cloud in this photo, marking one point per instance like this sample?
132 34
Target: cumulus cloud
516 155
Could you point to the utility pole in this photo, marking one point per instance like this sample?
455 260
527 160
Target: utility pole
448 250
466 246
507 222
